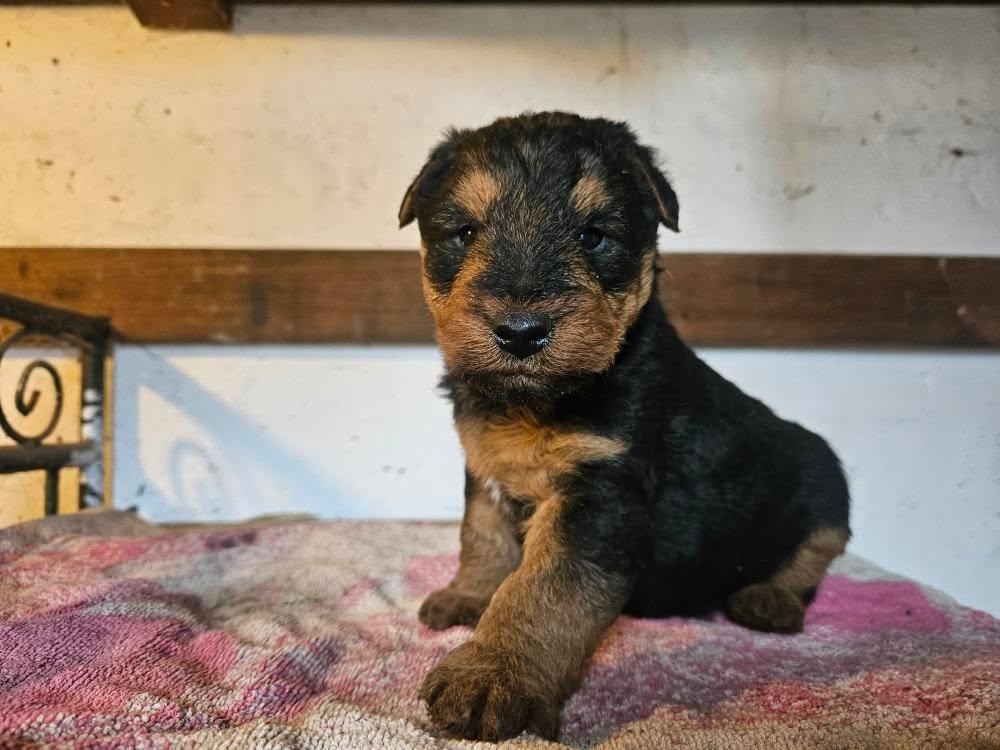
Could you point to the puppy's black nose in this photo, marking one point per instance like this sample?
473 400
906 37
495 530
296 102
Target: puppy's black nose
523 334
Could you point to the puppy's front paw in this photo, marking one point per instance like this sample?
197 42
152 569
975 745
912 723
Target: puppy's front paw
445 608
476 692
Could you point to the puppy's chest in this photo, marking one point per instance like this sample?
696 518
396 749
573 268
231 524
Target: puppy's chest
518 455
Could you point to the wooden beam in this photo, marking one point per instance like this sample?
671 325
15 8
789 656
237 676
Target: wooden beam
183 15
835 300
283 296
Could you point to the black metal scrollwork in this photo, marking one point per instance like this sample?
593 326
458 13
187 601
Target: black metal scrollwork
25 402
88 336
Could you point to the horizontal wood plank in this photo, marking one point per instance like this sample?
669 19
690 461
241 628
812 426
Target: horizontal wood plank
286 296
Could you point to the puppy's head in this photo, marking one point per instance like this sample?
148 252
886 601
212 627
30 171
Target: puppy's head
538 239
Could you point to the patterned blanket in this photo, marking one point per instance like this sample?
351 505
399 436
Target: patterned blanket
303 634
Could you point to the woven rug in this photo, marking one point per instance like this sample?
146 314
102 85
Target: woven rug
303 634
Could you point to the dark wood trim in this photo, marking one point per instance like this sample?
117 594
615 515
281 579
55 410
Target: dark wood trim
183 15
292 296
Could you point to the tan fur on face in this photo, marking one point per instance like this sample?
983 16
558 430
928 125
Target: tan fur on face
525 456
462 332
628 304
590 194
589 336
475 192
590 325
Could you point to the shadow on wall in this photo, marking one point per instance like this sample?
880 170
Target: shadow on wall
681 27
471 22
233 467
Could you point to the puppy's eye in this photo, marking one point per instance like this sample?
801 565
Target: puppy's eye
590 238
466 234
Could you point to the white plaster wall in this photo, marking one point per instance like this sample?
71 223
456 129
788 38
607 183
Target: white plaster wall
785 128
359 432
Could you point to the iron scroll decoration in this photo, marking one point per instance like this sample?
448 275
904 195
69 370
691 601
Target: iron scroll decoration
88 336
26 404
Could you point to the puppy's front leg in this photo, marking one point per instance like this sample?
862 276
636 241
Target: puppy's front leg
532 644
490 551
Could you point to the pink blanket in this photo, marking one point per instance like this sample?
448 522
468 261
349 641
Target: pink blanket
114 633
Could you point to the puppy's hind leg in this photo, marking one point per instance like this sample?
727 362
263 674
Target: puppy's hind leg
778 605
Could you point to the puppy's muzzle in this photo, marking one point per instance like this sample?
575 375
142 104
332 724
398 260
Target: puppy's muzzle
523 334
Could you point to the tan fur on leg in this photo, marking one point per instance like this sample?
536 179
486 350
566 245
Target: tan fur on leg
779 604
490 551
532 643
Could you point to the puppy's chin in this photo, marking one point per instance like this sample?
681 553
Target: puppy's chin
521 390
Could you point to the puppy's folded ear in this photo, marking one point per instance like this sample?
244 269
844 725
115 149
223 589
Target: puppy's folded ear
427 180
408 209
667 207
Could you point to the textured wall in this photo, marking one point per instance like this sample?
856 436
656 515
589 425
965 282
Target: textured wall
785 128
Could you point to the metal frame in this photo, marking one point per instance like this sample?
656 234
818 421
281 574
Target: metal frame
89 336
